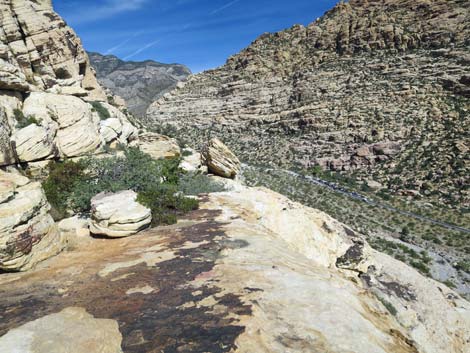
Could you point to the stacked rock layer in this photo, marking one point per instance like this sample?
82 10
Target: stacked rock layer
372 86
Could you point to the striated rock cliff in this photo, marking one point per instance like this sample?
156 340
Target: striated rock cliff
38 51
251 271
51 105
139 83
377 87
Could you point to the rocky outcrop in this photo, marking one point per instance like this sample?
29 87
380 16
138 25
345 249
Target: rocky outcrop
118 215
38 51
71 330
28 234
159 146
367 73
220 160
250 271
139 83
46 89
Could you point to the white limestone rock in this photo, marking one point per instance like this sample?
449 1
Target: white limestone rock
78 131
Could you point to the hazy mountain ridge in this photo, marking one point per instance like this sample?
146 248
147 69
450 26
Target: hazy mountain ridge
139 83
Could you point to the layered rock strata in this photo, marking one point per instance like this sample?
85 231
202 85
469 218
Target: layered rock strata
28 234
376 87
220 160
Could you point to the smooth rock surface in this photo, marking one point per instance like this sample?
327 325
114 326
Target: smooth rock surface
118 215
250 271
34 143
220 160
71 330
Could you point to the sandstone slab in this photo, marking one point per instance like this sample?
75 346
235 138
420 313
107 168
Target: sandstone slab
220 160
71 330
254 272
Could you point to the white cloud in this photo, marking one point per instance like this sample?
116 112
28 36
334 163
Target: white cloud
231 3
140 50
105 9
124 42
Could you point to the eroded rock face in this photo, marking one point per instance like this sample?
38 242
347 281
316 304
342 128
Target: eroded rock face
250 271
220 160
118 215
367 74
28 234
38 51
71 330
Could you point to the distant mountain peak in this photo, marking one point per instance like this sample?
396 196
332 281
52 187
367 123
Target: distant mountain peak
138 82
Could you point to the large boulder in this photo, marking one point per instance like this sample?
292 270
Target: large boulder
220 160
159 146
71 330
28 234
118 214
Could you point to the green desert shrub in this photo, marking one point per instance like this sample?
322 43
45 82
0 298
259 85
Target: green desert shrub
60 184
389 306
190 184
103 113
23 121
72 185
166 203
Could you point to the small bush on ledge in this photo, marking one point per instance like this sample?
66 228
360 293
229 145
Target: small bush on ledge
72 185
103 113
24 121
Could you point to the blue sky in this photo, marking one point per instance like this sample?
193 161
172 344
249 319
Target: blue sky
201 34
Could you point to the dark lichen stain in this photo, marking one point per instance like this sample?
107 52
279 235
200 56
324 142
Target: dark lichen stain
353 256
156 322
349 232
399 290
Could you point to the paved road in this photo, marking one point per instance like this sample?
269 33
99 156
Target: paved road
357 196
